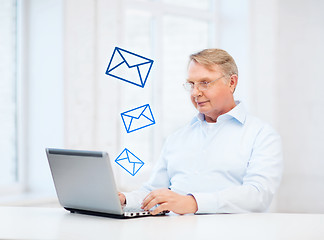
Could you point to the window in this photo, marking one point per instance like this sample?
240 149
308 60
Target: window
8 98
168 32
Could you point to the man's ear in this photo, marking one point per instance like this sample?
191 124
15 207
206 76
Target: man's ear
233 82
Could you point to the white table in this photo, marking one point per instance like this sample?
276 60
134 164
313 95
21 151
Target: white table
56 223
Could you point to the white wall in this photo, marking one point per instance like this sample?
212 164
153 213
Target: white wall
286 81
300 104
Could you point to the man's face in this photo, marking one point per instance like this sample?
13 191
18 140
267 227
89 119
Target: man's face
217 99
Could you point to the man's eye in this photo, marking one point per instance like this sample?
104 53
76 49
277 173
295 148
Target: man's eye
204 83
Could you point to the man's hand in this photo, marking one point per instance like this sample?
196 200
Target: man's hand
122 199
169 201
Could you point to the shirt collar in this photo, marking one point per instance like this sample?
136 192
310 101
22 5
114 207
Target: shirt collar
238 112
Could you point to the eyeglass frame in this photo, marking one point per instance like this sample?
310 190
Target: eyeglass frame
199 85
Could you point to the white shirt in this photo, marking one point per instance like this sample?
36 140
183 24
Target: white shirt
231 166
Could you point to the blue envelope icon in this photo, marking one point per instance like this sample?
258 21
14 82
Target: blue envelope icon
129 162
129 67
138 118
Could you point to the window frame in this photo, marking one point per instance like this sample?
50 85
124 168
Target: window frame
22 95
16 186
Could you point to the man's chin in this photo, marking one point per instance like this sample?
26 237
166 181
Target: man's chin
202 109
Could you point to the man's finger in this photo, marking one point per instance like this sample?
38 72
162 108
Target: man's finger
146 200
162 207
151 204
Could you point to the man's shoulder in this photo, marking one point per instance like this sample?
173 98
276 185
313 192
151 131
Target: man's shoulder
185 129
254 120
259 125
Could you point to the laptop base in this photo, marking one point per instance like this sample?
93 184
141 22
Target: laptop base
102 214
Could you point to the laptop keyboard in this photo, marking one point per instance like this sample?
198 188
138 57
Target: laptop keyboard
136 214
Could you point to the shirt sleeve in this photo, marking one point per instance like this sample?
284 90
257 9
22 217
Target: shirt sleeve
159 179
262 178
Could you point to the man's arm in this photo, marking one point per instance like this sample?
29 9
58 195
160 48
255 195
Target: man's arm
262 178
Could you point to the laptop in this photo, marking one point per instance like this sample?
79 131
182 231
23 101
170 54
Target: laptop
85 183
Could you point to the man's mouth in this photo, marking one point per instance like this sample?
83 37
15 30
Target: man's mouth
201 103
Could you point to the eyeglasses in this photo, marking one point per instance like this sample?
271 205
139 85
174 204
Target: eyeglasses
201 86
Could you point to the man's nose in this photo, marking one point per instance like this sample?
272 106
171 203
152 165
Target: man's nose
195 91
